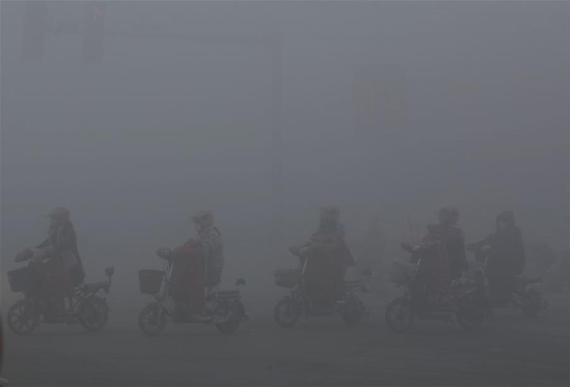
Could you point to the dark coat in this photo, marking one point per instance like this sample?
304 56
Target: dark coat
63 241
507 255
454 243
187 277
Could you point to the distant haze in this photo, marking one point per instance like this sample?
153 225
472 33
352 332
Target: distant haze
161 128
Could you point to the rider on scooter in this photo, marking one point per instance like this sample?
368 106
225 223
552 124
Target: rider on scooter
57 268
328 257
507 258
196 265
210 241
442 257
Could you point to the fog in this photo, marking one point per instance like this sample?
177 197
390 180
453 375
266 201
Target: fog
162 127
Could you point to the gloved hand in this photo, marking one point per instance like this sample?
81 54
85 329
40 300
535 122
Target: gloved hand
43 253
24 255
409 247
37 254
485 248
164 252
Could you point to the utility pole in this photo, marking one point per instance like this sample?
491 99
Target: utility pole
276 141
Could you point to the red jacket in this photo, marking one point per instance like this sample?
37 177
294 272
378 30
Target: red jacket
188 275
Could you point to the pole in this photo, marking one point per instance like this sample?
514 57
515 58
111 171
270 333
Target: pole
276 141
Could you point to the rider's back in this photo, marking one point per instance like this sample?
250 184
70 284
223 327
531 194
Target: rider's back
213 250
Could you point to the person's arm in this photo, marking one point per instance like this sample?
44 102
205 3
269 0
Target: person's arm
66 241
429 243
184 250
341 230
519 252
462 256
482 243
330 246
42 251
206 247
45 243
299 250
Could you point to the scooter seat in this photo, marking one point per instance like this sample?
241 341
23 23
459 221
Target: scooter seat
531 280
228 293
96 286
353 283
349 285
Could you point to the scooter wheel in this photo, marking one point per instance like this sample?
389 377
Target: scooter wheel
531 303
234 313
152 320
470 311
354 313
93 314
286 313
23 318
399 315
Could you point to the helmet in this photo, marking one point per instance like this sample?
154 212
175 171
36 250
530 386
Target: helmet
204 218
448 214
329 213
59 213
508 217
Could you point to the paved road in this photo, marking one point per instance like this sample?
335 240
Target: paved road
509 351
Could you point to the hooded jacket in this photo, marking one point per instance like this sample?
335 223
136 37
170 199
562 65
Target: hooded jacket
507 255
62 244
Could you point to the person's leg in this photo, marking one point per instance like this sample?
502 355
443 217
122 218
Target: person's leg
197 293
340 273
60 288
499 289
314 288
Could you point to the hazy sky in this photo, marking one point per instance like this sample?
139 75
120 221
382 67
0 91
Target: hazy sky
160 128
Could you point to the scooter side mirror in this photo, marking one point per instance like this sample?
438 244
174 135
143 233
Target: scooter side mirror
109 271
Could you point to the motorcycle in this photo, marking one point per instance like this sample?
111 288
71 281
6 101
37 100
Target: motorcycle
466 309
86 306
224 309
288 310
524 293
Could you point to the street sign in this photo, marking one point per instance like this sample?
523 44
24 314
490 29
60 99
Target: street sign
379 101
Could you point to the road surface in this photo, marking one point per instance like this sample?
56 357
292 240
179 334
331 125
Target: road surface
509 351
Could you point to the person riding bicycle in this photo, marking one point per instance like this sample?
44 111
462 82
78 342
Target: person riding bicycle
57 266
506 257
327 257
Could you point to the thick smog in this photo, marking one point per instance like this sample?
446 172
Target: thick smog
262 193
